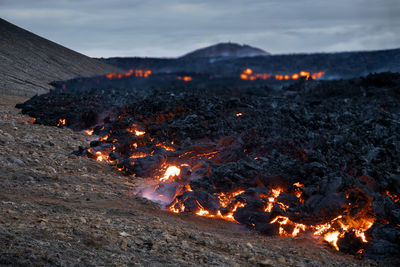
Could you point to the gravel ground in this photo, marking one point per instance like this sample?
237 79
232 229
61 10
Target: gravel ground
60 209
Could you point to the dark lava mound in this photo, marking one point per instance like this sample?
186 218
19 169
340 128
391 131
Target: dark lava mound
317 158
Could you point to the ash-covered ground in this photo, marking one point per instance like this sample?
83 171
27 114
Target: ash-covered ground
331 149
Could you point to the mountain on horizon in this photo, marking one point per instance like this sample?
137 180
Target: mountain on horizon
226 50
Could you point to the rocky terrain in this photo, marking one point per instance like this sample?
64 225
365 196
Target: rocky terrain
29 62
60 209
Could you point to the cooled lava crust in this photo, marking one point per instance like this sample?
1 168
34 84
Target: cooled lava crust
317 158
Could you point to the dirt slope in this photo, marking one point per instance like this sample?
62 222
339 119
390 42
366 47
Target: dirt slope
29 62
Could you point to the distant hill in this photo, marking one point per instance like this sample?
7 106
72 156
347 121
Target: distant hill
29 62
226 50
335 65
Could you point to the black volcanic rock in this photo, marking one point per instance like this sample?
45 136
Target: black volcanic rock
226 50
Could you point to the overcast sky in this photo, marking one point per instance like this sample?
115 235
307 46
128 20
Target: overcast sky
168 28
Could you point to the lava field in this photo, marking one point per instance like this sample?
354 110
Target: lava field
313 158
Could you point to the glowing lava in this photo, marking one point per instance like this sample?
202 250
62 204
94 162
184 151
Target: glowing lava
135 73
139 133
171 171
248 74
89 132
61 122
332 238
185 78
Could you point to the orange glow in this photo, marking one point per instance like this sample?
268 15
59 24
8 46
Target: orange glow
243 76
135 131
272 200
228 217
317 75
394 197
285 222
170 172
248 74
174 209
61 122
139 133
263 76
101 156
166 147
188 188
184 78
226 198
137 155
239 114
330 231
136 73
248 71
295 76
332 238
305 74
322 228
103 138
89 132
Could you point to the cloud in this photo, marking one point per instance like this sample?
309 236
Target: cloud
172 28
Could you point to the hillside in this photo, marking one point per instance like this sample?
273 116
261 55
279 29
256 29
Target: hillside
28 62
226 50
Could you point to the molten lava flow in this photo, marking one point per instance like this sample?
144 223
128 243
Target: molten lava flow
176 207
248 71
317 75
332 238
228 216
89 132
170 172
103 138
271 200
248 74
100 156
305 74
61 122
298 184
136 131
244 76
166 147
136 73
184 78
226 198
280 206
139 133
394 197
285 224
137 155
